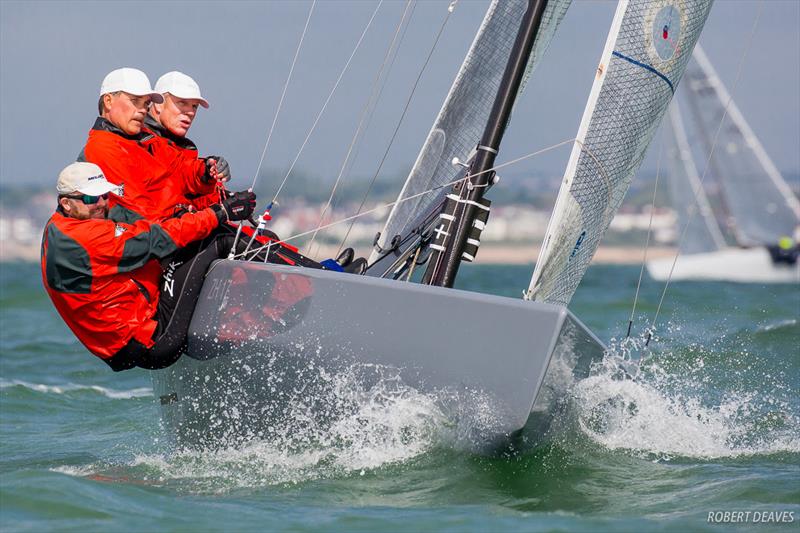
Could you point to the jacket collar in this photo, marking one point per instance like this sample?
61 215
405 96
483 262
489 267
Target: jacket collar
102 124
161 131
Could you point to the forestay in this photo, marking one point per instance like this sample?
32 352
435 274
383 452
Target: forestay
687 195
647 49
461 121
759 203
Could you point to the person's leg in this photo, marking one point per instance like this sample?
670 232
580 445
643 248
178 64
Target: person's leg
182 282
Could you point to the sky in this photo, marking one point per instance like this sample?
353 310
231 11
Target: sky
53 56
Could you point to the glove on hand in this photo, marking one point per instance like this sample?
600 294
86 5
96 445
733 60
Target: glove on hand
217 168
238 206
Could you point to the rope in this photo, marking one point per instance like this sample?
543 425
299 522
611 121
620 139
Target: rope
649 232
327 100
374 95
740 67
429 191
450 10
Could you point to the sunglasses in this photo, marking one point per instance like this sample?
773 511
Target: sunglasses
88 200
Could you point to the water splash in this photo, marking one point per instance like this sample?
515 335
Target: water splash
349 423
688 402
339 425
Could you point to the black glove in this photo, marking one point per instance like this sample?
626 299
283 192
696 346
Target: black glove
238 206
217 168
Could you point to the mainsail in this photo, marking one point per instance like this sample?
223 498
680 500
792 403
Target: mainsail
461 121
686 193
761 207
647 49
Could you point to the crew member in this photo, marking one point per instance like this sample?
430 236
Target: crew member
127 153
170 121
91 267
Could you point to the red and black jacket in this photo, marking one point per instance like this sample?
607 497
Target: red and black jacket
101 279
152 177
169 147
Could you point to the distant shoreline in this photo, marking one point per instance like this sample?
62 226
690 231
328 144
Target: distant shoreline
489 254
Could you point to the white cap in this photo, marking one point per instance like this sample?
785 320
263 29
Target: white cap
85 178
130 80
180 85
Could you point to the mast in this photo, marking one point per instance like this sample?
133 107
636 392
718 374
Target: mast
456 237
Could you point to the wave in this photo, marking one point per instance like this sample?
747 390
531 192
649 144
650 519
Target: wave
352 423
780 325
646 408
139 392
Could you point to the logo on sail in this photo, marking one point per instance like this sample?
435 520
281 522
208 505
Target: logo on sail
577 244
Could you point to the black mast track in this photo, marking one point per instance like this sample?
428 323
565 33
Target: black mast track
449 245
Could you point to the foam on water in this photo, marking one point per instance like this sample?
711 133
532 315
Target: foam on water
344 424
365 424
782 324
658 408
138 392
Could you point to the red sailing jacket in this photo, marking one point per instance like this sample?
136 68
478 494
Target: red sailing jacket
169 147
150 173
91 270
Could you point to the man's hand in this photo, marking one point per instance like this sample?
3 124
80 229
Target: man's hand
238 206
217 169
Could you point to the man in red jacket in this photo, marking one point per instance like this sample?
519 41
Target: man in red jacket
170 122
90 268
133 158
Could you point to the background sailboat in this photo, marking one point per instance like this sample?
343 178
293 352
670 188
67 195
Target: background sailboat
268 343
755 208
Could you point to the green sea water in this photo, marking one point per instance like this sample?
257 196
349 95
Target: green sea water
707 420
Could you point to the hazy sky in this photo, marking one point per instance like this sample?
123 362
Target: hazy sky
53 56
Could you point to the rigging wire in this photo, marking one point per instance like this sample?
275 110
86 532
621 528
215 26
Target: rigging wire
283 94
275 119
649 233
366 114
327 100
383 86
414 196
450 10
693 209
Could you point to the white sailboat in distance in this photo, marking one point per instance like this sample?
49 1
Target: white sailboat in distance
756 240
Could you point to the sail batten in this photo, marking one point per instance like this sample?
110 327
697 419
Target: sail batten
646 52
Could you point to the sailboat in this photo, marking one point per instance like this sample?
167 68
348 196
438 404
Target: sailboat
760 215
270 346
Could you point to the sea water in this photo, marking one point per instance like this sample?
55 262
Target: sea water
700 430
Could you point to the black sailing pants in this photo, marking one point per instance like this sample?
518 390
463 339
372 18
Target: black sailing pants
181 282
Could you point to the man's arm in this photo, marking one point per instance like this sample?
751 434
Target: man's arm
119 247
191 172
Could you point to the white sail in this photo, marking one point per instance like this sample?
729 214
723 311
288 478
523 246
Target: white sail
460 123
761 207
647 49
687 195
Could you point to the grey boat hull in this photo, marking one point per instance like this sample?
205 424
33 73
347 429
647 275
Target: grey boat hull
267 343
